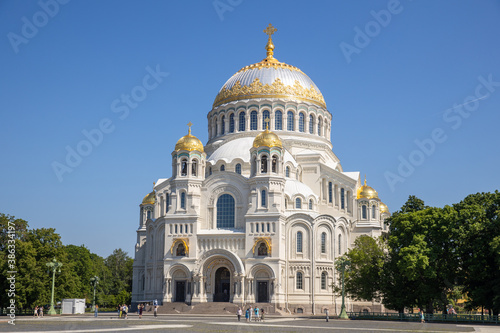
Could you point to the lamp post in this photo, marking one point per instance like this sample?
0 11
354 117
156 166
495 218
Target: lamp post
341 265
94 281
53 265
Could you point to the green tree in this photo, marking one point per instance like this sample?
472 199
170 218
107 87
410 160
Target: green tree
367 257
479 249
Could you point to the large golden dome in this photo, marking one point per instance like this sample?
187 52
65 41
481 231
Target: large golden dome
367 192
149 199
267 139
189 142
270 79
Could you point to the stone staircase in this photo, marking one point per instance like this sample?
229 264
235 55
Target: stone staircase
216 308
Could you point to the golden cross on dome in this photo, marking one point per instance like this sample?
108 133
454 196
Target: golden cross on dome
190 124
270 30
267 120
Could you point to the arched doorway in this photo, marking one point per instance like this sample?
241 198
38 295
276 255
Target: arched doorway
222 285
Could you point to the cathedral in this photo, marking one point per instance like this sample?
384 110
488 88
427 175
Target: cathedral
261 212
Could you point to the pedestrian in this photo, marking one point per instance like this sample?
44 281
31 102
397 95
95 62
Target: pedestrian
262 314
40 312
251 313
239 313
36 312
156 311
141 307
256 310
422 316
125 310
120 310
326 313
96 310
247 315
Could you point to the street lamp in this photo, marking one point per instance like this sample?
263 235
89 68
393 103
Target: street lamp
54 265
341 265
94 281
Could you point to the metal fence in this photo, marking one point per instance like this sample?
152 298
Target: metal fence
462 318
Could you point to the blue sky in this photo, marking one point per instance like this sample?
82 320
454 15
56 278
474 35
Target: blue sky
395 76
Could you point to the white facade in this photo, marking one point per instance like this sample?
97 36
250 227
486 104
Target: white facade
248 221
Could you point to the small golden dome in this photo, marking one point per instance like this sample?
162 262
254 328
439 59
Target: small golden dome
367 192
149 199
384 208
189 142
267 139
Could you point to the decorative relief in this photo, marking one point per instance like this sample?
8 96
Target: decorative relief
275 90
310 170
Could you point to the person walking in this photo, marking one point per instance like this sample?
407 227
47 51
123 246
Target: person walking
239 313
125 311
422 316
256 314
326 313
247 315
120 310
40 311
96 310
141 307
36 312
262 314
156 311
251 313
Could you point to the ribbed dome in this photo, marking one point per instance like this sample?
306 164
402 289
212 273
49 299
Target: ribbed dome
149 199
267 139
367 192
189 142
384 208
270 79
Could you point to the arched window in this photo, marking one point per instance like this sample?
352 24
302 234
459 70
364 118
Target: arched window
148 214
262 249
330 192
374 211
265 115
323 280
363 212
210 171
290 126
225 211
263 164
298 203
194 168
216 127
310 204
311 124
231 123
323 242
183 200
302 117
278 121
222 124
241 127
274 164
222 167
287 171
184 167
167 202
299 241
340 244
319 126
263 198
298 284
342 197
181 250
253 120
254 166
238 169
